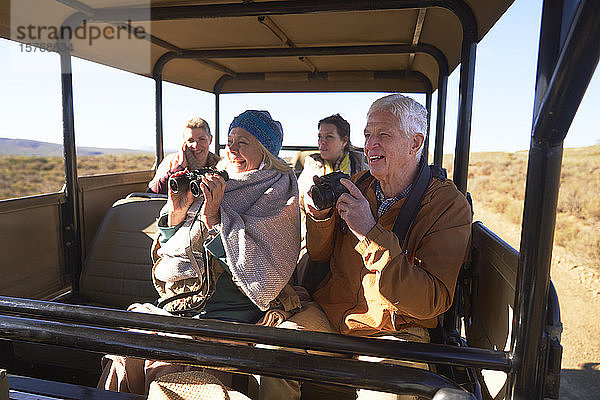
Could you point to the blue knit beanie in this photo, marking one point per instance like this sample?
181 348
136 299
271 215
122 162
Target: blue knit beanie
260 124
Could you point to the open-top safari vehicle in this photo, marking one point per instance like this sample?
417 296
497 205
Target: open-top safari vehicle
88 244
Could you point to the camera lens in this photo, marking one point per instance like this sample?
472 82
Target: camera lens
323 197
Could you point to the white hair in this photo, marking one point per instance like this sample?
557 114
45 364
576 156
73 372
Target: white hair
411 115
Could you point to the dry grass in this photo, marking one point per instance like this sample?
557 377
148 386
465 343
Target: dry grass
496 182
26 176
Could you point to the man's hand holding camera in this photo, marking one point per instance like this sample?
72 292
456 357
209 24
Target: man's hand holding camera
354 208
351 205
311 209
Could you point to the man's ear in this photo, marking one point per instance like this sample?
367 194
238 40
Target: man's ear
209 139
417 142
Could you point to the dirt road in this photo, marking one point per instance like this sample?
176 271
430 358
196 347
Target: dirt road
578 287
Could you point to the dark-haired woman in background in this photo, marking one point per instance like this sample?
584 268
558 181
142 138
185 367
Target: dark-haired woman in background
336 153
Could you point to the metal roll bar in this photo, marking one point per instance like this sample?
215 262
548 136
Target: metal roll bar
232 357
206 55
347 345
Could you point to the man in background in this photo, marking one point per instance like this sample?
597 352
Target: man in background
193 154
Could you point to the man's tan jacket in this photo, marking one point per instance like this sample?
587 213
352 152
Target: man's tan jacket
377 285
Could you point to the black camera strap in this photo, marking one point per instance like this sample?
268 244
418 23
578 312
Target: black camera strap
412 204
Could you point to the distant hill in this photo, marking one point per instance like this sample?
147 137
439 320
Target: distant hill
24 147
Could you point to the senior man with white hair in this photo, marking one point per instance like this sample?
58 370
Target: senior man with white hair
382 282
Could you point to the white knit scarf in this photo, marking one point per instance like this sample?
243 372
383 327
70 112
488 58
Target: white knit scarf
260 223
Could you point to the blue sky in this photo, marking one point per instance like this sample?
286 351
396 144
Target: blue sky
116 109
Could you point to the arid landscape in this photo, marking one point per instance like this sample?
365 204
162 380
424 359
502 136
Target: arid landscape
26 176
497 184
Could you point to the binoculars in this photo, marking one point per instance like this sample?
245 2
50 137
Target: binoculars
192 180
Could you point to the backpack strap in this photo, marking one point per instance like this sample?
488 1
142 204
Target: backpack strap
415 196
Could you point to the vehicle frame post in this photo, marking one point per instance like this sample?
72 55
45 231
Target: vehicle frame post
465 110
159 118
425 154
70 210
563 77
217 123
533 277
71 227
440 121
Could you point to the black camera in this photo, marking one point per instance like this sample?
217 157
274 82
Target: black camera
328 190
192 179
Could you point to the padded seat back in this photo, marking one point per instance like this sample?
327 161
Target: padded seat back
117 270
297 161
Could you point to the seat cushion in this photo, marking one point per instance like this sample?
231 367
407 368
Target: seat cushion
118 269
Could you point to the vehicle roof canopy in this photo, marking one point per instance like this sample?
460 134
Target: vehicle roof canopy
274 46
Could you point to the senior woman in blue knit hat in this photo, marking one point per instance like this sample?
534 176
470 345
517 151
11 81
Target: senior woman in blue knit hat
229 253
